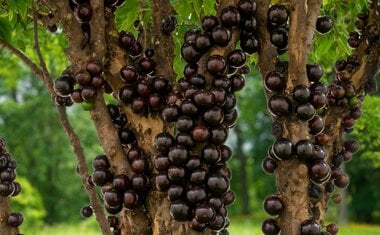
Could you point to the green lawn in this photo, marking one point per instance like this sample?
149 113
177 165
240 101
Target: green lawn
240 226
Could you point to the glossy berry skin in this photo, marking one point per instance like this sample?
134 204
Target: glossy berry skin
236 58
211 154
269 165
196 195
304 149
316 125
94 67
175 192
305 111
230 16
176 173
121 182
351 145
221 36
279 38
310 227
86 211
164 141
178 154
216 64
279 105
64 85
209 22
250 44
140 183
179 210
275 81
199 227
301 93
170 113
314 72
217 184
270 227
162 182
101 162
324 24
332 228
319 171
201 133
189 53
204 213
278 15
282 149
273 205
83 13
130 199
247 7
198 176
126 40
15 219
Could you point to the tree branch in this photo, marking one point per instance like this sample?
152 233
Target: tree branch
73 137
22 57
313 8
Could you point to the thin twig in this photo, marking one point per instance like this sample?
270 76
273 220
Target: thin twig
73 137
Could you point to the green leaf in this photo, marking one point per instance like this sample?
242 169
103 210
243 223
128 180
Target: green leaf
19 6
5 30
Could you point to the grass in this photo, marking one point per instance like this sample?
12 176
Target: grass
239 225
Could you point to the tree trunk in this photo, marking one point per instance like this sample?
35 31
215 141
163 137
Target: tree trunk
4 213
243 178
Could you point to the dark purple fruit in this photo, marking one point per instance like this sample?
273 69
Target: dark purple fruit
83 13
314 72
219 135
304 149
190 69
88 93
305 111
185 139
209 23
203 98
213 116
324 24
273 205
176 173
301 93
126 40
342 182
318 99
140 183
320 171
211 154
121 182
126 136
164 141
279 105
217 184
216 65
195 225
179 210
250 44
184 123
197 80
15 219
147 65
113 198
129 74
332 228
220 96
201 133
189 53
275 81
196 195
279 38
127 94
139 105
310 227
178 154
130 199
64 85
217 223
101 162
282 149
221 36
229 198
270 227
204 213
236 58
237 83
198 176
135 50
319 153
162 182
94 67
86 211
316 125
175 192
170 113
351 145
269 165
162 162
193 163
278 15
140 165
230 16
247 7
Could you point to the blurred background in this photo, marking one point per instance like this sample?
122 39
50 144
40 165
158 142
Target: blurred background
52 194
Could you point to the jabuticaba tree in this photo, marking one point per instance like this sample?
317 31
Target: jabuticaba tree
164 167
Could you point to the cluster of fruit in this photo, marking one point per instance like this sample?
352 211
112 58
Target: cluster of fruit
191 165
143 90
9 187
82 87
308 102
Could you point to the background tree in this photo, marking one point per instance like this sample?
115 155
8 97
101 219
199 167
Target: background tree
94 46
